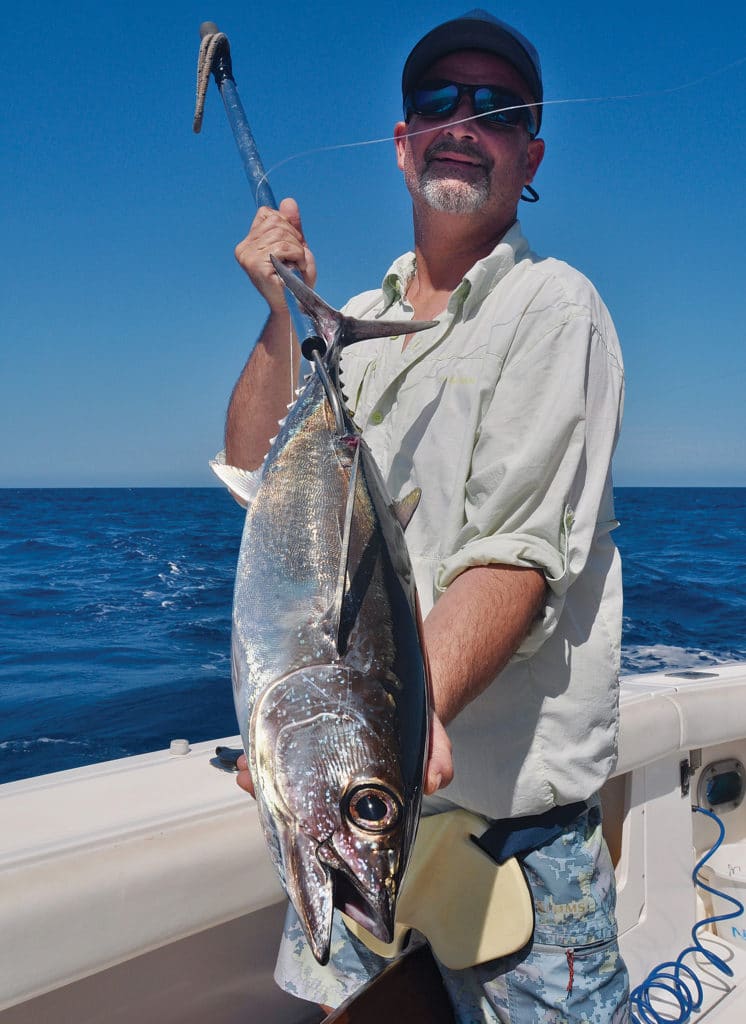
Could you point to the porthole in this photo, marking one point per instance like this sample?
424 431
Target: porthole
721 785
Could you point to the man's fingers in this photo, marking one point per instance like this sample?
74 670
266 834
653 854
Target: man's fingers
277 233
245 781
275 240
440 762
243 778
289 210
309 268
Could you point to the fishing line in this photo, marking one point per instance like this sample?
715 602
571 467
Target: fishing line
292 366
650 94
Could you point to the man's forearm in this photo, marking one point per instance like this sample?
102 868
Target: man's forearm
476 627
267 382
262 393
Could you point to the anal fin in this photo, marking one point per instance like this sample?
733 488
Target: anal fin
405 508
242 483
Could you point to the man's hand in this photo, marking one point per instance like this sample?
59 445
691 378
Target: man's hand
261 395
278 233
243 778
439 760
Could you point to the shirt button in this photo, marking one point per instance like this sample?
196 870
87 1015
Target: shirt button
376 417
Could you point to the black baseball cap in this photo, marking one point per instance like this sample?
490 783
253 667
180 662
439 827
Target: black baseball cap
476 30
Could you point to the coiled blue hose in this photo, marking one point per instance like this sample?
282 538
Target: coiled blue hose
674 977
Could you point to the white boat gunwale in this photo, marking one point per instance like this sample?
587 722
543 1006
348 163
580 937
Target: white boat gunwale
165 849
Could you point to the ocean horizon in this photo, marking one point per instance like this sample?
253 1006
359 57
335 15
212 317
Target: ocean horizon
115 607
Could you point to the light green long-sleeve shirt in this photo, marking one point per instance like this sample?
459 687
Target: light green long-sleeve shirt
506 416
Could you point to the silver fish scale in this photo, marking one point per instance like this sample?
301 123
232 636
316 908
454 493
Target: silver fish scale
331 695
289 557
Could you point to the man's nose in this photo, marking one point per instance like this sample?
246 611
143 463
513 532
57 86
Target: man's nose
457 125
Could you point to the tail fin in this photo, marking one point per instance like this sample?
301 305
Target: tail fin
334 327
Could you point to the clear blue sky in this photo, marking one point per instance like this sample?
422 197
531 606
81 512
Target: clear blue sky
125 319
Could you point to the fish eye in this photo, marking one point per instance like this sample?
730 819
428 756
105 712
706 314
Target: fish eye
372 808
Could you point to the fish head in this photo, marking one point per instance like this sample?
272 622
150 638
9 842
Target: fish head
338 815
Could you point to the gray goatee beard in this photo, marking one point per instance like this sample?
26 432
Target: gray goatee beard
448 196
452 194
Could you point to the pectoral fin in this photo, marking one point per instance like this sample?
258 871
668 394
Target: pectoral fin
344 554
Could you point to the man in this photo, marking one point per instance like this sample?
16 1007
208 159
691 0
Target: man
506 415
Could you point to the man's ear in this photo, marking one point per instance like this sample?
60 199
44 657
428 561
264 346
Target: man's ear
400 141
535 156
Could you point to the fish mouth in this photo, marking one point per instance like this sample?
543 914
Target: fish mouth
374 910
317 882
375 917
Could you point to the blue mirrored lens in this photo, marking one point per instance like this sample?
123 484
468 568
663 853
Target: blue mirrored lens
430 101
497 106
501 107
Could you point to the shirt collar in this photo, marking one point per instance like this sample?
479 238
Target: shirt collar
396 281
476 283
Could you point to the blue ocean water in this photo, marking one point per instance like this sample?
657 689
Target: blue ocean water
115 610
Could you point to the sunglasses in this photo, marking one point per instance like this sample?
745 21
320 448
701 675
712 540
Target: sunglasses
440 98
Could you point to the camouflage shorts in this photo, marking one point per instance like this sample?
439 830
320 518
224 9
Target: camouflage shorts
570 972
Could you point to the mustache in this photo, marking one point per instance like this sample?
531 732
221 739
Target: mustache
462 147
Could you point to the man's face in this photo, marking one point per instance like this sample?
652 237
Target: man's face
473 166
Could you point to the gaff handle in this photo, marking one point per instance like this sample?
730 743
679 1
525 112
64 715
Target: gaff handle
215 59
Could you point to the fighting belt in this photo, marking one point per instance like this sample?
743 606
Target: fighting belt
470 908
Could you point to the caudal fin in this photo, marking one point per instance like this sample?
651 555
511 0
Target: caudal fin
334 327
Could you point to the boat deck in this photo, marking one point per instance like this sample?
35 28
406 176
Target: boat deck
141 888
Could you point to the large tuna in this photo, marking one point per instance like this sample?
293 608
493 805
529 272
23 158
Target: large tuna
329 678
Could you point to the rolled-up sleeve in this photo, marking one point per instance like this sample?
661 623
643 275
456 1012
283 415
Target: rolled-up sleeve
539 483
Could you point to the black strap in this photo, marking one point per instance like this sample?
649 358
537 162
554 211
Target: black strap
515 837
226 757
